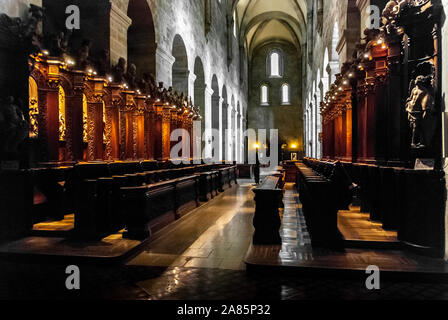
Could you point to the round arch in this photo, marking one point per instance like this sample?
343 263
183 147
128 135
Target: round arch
141 37
180 71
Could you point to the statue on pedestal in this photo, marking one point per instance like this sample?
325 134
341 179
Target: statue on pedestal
119 70
420 106
131 76
83 58
13 127
103 63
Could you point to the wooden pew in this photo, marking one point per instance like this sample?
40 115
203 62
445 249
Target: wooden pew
323 194
150 208
268 200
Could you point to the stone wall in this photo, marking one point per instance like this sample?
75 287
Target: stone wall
17 8
286 118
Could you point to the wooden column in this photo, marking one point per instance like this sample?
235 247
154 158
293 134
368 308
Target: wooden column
113 102
141 128
95 129
49 119
166 132
74 117
150 129
158 119
128 127
349 129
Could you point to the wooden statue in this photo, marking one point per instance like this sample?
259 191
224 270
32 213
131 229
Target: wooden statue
420 107
131 76
83 58
103 64
13 127
119 70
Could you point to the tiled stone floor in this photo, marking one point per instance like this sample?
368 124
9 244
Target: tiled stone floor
199 257
297 253
216 235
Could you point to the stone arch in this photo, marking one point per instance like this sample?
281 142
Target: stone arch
180 71
199 88
141 37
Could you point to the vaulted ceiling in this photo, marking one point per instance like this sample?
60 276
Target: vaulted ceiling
263 21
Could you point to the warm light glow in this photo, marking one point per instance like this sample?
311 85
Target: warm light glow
33 108
62 127
256 146
293 146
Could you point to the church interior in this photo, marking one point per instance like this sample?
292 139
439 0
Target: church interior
223 149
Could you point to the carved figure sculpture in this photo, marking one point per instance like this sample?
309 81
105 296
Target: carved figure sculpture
131 76
420 107
83 59
13 126
119 70
102 64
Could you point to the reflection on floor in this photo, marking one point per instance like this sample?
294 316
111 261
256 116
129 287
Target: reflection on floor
356 226
216 235
296 251
200 257
67 224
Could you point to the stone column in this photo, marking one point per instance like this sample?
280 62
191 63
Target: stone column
365 16
119 25
164 65
222 115
207 120
191 80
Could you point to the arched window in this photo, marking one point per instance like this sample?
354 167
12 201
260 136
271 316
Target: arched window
264 95
275 64
286 94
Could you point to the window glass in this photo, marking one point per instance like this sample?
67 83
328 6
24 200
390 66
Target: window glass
264 94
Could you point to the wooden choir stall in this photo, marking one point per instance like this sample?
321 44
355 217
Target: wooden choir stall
382 122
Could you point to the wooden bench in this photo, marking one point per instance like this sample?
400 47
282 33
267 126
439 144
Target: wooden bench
323 193
149 208
267 222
